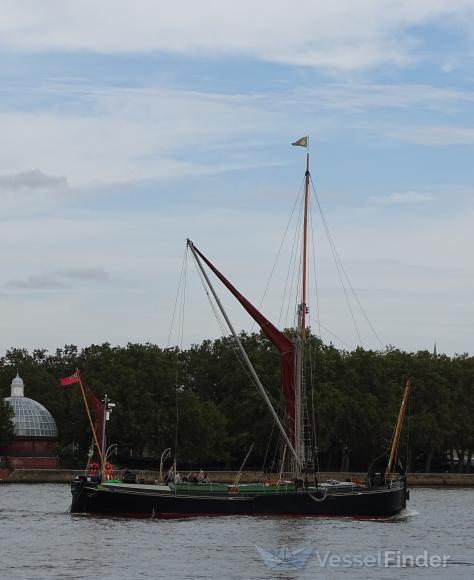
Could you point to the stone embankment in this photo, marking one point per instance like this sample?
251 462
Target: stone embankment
67 475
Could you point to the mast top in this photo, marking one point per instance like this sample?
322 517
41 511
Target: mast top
303 309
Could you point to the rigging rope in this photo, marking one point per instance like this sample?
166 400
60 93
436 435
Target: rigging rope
290 262
223 328
313 407
326 329
181 299
295 259
181 340
268 447
278 254
177 294
316 293
343 274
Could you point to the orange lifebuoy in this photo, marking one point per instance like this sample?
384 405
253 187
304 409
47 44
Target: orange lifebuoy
108 471
93 469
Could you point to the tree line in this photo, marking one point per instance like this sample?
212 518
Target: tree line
201 402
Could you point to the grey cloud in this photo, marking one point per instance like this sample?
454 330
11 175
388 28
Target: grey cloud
34 179
35 282
50 282
85 274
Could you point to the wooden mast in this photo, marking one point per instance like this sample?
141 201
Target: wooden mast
305 252
301 335
396 433
91 423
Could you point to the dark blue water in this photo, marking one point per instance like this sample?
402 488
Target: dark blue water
38 539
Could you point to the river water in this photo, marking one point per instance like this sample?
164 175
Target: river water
40 540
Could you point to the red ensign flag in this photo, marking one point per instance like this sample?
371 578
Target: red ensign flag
69 380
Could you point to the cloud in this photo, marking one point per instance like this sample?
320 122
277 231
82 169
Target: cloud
35 282
54 282
34 179
344 35
434 135
356 96
137 134
128 154
411 270
93 274
407 197
128 135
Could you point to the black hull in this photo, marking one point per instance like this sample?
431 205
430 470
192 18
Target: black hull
135 501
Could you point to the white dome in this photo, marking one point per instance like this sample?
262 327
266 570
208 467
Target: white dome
31 419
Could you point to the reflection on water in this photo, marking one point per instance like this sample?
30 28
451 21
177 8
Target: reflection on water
39 539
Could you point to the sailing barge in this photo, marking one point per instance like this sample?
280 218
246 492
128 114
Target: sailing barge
381 495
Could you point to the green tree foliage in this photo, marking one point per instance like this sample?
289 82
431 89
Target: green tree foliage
6 424
202 403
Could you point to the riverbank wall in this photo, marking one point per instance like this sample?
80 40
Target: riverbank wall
67 475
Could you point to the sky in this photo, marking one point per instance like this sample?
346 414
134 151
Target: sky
128 127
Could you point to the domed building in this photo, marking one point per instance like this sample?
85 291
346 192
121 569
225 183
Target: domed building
35 432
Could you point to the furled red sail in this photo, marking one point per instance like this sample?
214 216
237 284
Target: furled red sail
279 340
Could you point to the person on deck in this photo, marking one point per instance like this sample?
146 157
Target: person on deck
200 476
169 476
